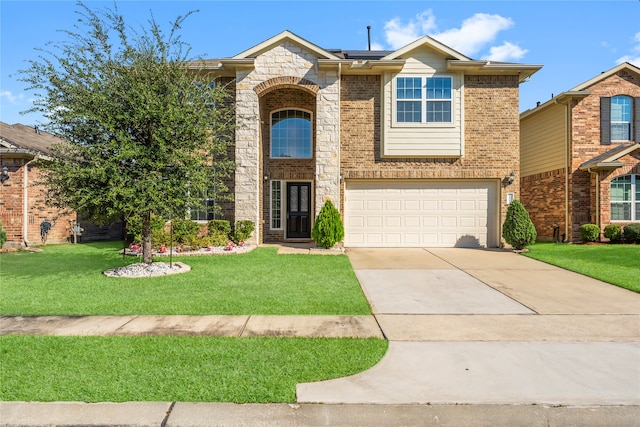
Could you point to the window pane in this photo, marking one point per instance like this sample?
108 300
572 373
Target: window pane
409 112
409 88
293 198
439 111
304 198
439 88
621 131
621 118
621 189
291 134
620 211
276 197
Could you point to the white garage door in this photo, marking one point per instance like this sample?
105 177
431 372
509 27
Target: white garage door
420 214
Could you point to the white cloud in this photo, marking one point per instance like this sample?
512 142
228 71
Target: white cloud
13 99
475 33
473 36
399 34
505 52
634 57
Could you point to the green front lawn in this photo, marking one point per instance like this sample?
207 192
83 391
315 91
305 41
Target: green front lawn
186 369
68 280
615 264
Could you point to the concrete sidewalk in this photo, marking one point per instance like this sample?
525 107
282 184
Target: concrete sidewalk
228 326
183 414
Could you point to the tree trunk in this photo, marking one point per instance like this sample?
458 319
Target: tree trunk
146 238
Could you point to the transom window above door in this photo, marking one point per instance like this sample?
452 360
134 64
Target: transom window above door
291 134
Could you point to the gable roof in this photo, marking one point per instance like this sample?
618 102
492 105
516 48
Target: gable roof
279 39
610 159
431 43
19 139
580 91
606 74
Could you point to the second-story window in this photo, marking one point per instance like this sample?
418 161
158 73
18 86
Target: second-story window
620 118
424 99
291 134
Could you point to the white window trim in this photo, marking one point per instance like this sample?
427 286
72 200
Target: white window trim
635 181
271 205
271 133
423 123
630 122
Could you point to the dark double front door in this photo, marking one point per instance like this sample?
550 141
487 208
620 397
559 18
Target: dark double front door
298 210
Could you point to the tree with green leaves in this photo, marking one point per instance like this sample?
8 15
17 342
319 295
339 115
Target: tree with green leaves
146 130
518 229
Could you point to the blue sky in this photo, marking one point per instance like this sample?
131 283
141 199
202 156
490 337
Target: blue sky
573 40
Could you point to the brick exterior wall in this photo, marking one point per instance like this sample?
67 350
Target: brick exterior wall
12 208
585 136
544 199
491 121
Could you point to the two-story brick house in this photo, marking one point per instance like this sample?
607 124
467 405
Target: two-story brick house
416 147
580 156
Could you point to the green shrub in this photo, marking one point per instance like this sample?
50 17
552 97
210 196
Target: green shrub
328 228
185 231
3 236
518 230
242 231
632 232
613 232
589 232
219 226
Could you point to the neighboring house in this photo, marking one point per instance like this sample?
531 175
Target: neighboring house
580 156
23 213
417 147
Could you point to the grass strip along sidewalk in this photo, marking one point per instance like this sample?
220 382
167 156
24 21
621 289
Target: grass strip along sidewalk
68 280
617 264
186 369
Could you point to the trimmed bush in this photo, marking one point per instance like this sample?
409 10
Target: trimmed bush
589 232
185 231
328 228
217 226
242 231
3 236
518 230
219 232
632 232
613 232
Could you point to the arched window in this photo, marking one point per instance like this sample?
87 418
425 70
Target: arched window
625 198
291 134
621 118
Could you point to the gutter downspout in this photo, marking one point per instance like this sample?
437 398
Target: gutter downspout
25 201
567 156
340 181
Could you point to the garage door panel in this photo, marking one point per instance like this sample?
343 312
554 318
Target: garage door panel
420 213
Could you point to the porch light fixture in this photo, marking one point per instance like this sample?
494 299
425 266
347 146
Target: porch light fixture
511 178
5 175
266 178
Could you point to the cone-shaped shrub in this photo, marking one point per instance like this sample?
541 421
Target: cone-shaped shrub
518 230
328 228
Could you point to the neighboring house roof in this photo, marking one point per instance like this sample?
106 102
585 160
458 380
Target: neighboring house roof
25 141
580 91
610 159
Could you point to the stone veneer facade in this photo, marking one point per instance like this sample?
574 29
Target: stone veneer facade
290 68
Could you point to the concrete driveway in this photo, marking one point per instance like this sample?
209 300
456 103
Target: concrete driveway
476 326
